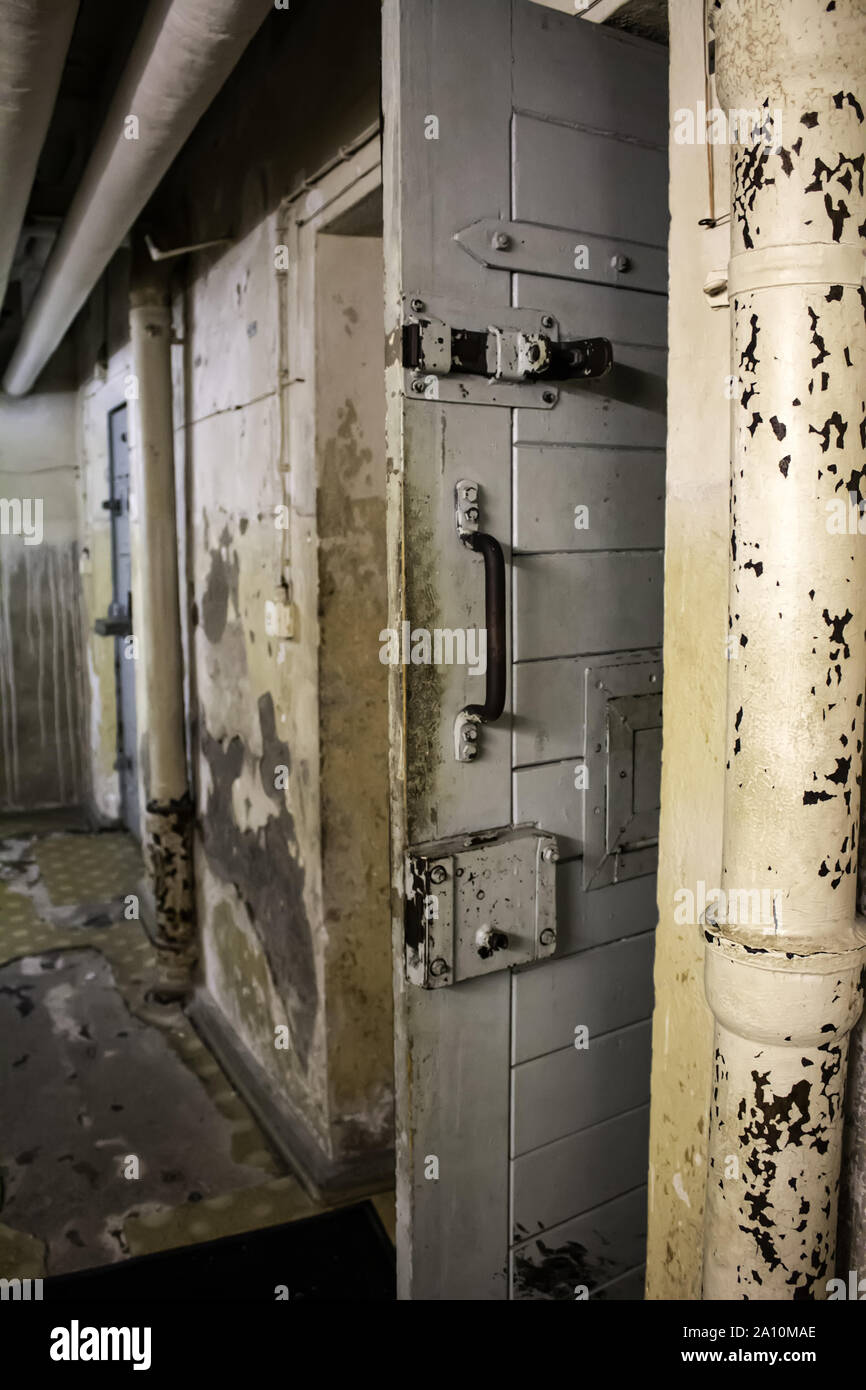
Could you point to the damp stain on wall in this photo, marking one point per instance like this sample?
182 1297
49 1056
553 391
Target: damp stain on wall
262 866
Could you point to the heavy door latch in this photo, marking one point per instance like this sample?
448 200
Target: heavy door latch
435 348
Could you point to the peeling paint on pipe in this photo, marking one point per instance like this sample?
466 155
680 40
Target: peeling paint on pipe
183 54
786 993
34 38
167 828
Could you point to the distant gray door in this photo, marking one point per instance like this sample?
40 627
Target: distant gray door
526 177
121 606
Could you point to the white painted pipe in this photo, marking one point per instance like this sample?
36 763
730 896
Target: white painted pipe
183 54
785 948
34 38
167 822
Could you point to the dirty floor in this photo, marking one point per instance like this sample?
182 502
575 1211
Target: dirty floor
119 1133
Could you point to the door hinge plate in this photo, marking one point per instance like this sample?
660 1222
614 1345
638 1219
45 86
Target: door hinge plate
533 249
479 903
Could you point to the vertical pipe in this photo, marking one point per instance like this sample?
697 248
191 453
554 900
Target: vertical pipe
784 948
166 839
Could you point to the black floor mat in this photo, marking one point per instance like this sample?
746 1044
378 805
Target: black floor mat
339 1255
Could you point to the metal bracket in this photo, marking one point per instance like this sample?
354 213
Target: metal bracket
479 903
114 625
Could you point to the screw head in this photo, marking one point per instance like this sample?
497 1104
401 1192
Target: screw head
419 385
551 854
620 263
417 305
547 937
471 513
501 241
549 397
438 874
547 321
438 967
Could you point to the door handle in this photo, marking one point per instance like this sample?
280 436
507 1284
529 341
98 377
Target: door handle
466 724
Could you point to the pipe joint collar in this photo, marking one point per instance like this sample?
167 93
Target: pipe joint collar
797 1002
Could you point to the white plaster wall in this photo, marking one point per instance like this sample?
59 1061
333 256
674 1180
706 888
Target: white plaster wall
696 594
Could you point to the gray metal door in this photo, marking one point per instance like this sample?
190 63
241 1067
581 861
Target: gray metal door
526 200
121 608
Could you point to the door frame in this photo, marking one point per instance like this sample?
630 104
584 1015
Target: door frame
134 790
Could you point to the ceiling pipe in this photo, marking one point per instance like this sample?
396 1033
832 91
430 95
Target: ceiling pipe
183 54
784 947
34 38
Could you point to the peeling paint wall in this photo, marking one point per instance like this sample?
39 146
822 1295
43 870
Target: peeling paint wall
257 825
43 751
693 765
287 826
353 720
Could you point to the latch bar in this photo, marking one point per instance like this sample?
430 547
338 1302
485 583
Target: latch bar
502 355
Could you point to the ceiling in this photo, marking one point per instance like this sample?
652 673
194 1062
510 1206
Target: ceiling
103 35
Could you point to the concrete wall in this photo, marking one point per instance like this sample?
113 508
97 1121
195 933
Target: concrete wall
43 756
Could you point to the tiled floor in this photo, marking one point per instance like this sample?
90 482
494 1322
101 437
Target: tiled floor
119 1133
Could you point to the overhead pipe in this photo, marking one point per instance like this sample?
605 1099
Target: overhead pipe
34 38
183 54
785 988
168 811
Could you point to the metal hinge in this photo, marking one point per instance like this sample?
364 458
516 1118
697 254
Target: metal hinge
479 903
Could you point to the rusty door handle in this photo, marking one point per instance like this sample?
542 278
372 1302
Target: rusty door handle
468 720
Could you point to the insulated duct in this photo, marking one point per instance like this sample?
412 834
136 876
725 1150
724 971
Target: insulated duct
34 38
183 54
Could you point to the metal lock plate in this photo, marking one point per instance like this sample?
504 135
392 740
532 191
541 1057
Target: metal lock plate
479 903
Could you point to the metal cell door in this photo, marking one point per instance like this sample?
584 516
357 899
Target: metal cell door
526 231
120 617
